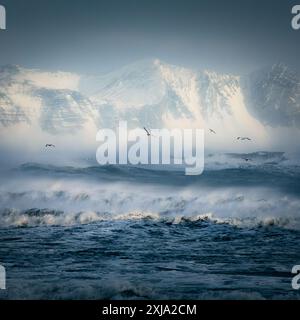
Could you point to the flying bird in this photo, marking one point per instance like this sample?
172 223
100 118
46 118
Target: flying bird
148 133
243 138
49 145
212 131
247 159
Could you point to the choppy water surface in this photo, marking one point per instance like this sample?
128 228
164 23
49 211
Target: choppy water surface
125 232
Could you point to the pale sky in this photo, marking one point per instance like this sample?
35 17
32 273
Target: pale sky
95 36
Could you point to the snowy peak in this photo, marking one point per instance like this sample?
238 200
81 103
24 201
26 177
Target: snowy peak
48 100
151 82
273 95
151 93
10 74
135 85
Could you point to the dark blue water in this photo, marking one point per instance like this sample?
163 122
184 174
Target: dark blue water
128 233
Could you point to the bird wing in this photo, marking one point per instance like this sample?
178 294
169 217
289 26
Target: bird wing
147 131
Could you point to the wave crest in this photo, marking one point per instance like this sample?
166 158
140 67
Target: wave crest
46 217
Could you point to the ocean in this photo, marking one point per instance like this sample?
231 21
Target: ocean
85 231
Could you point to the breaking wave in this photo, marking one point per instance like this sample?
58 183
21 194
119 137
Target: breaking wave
112 232
45 217
264 191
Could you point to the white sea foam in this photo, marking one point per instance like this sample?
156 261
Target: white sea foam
48 201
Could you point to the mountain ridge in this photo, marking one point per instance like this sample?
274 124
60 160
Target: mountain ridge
152 93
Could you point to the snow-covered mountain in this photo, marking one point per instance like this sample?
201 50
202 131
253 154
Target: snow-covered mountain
50 101
157 94
273 96
147 89
154 94
153 91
